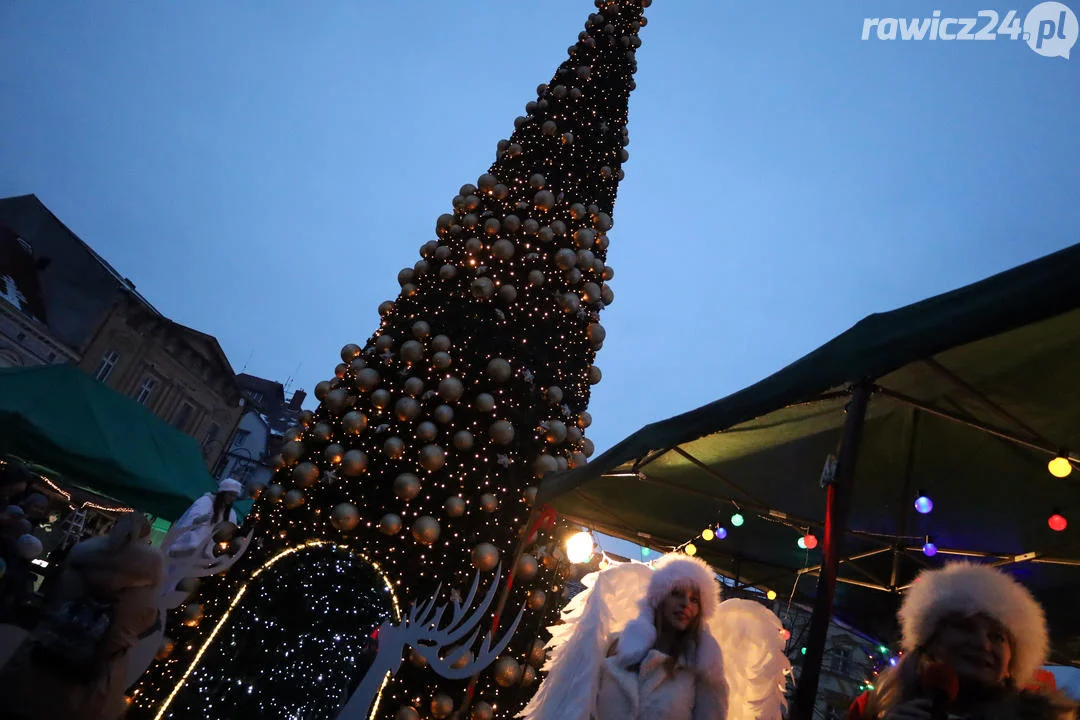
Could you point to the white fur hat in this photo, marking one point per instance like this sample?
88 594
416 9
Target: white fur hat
977 589
674 570
230 485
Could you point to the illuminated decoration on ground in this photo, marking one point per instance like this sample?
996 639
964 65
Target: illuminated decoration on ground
163 712
432 435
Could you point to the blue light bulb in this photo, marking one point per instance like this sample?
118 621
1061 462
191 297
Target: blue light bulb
721 533
929 549
923 504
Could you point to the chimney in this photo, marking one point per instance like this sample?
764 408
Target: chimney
297 400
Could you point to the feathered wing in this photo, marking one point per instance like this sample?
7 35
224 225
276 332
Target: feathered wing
580 642
755 666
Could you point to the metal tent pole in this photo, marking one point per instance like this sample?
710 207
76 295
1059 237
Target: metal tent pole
836 516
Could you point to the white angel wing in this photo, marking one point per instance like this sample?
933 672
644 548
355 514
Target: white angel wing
755 666
579 644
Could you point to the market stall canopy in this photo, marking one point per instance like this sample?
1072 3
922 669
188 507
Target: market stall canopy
99 439
974 391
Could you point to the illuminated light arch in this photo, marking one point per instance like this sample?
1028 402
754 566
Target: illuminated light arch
310 544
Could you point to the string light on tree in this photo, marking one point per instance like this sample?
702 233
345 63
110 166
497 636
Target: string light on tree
430 434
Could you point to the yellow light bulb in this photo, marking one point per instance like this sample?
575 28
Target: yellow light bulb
707 534
690 549
1059 467
579 548
771 595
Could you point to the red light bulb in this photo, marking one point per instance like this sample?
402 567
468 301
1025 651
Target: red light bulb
1057 522
810 541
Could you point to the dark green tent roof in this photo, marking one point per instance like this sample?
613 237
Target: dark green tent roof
1001 355
99 439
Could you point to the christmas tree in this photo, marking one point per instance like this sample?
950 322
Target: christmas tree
419 469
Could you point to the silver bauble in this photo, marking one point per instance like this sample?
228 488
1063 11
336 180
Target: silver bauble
441 360
527 568
334 453
594 375
351 350
544 464
596 334
482 287
275 492
412 351
406 712
590 293
537 653
484 403
537 181
414 386
406 409
565 259
463 440
305 474
555 395
440 343
544 200
354 422
537 599
420 329
368 379
481 711
507 293
294 499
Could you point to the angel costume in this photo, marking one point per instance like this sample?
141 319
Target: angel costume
198 523
734 668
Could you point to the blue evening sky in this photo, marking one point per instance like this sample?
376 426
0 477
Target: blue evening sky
263 168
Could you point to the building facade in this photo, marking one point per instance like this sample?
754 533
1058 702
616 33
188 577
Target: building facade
261 431
62 302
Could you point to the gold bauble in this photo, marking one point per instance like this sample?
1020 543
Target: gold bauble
594 375
406 409
193 614
414 386
385 342
556 432
432 457
462 660
336 401
224 532
406 712
165 649
451 389
455 506
442 360
485 557
528 676
426 431
417 659
334 453
277 462
441 706
440 343
426 530
489 503
321 432
502 432
443 414
587 447
526 568
275 492
349 352
574 434
412 351
544 464
368 379
537 653
188 585
390 524
358 364
550 561
345 516
292 451
506 671
306 418
482 711
294 499
294 433
305 474
555 394
322 389
354 422
537 599
420 329
484 403
394 447
381 398
499 370
596 335
463 440
406 486
354 463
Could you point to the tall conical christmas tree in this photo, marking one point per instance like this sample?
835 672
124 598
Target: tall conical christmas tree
419 467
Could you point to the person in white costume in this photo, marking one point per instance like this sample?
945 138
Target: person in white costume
658 644
204 515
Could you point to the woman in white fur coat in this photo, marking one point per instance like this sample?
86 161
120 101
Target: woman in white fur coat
665 665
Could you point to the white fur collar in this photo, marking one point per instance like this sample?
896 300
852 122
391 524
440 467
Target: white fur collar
639 636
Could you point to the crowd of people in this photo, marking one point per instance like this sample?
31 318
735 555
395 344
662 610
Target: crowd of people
68 654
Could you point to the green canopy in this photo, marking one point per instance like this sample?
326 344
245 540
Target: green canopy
99 439
973 392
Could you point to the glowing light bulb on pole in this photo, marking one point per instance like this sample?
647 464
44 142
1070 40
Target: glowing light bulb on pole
579 548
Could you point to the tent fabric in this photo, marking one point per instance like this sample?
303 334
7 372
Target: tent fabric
99 439
1003 353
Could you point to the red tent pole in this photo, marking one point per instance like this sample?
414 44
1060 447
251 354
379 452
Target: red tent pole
837 508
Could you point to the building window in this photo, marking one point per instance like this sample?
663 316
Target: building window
240 437
183 415
108 362
145 390
211 435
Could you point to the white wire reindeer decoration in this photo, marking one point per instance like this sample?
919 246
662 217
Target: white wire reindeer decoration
200 563
421 631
